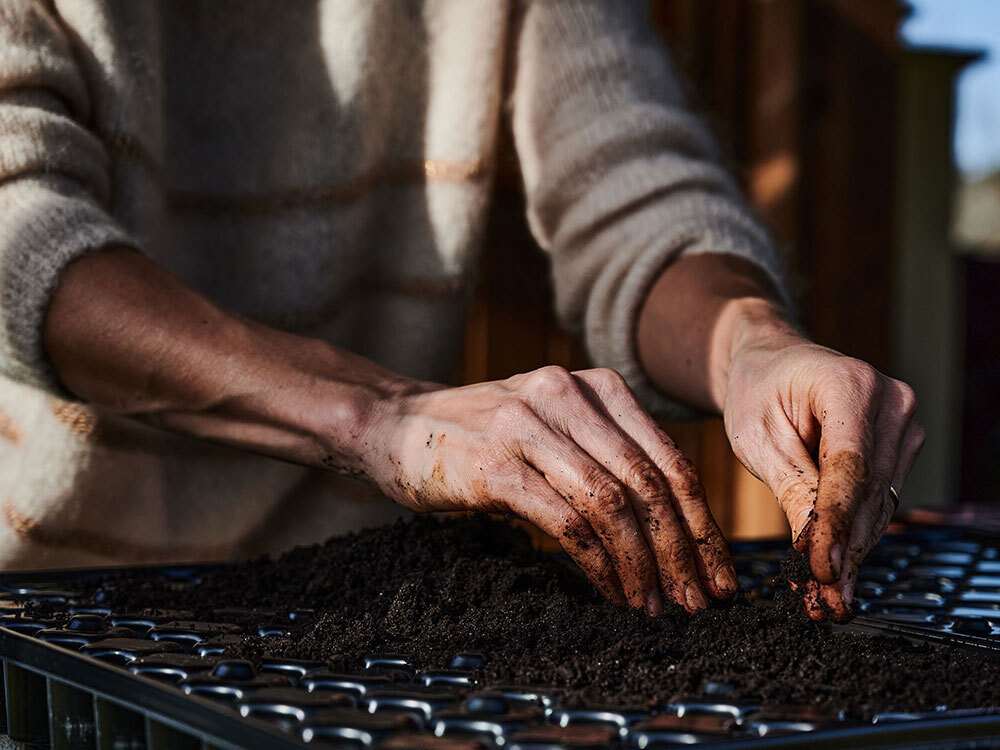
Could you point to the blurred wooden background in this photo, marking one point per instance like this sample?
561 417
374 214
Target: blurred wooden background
802 95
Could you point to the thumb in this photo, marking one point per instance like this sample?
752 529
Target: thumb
795 489
786 467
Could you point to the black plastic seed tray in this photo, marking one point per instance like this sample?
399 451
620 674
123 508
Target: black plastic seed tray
91 677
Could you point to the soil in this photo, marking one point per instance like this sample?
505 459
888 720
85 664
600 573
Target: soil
428 589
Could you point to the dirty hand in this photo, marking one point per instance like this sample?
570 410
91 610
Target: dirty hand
575 454
828 434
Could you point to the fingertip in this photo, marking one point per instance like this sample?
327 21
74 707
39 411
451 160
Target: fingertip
811 600
654 603
726 583
714 567
836 608
825 561
847 593
825 545
694 599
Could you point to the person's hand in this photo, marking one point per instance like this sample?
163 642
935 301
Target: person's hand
829 435
575 454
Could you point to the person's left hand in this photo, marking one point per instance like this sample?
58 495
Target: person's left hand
829 435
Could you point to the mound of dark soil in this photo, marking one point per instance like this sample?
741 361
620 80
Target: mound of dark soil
428 589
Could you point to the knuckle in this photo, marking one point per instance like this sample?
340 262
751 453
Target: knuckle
514 414
791 488
868 514
609 498
577 532
878 487
866 376
857 550
607 382
907 400
611 377
859 378
884 519
681 558
668 443
675 562
684 479
554 381
644 477
496 463
919 435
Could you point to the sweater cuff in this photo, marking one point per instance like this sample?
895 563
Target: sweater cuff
48 223
716 225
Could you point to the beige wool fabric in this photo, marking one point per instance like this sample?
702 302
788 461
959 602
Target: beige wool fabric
323 166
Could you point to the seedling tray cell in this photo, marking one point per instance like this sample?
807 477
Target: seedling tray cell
87 676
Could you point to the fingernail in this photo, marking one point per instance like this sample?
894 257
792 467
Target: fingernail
835 555
847 593
725 580
654 603
800 523
695 599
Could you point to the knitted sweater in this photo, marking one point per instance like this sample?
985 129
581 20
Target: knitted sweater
323 166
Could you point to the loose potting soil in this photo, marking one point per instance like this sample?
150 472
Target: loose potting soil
428 589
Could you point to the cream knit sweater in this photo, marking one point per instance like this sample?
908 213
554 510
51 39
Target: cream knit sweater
323 166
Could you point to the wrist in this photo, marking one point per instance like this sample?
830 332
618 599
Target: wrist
281 395
745 325
698 315
329 402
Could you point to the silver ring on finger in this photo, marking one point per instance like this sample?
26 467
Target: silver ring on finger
895 498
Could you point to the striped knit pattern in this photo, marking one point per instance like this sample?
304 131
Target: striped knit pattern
323 167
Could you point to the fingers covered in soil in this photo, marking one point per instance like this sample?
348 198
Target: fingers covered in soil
819 601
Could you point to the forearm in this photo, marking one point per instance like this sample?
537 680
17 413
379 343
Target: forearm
828 434
124 334
697 314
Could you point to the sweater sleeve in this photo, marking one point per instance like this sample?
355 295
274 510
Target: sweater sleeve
620 177
54 181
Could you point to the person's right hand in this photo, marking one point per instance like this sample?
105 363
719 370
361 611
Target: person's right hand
573 453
